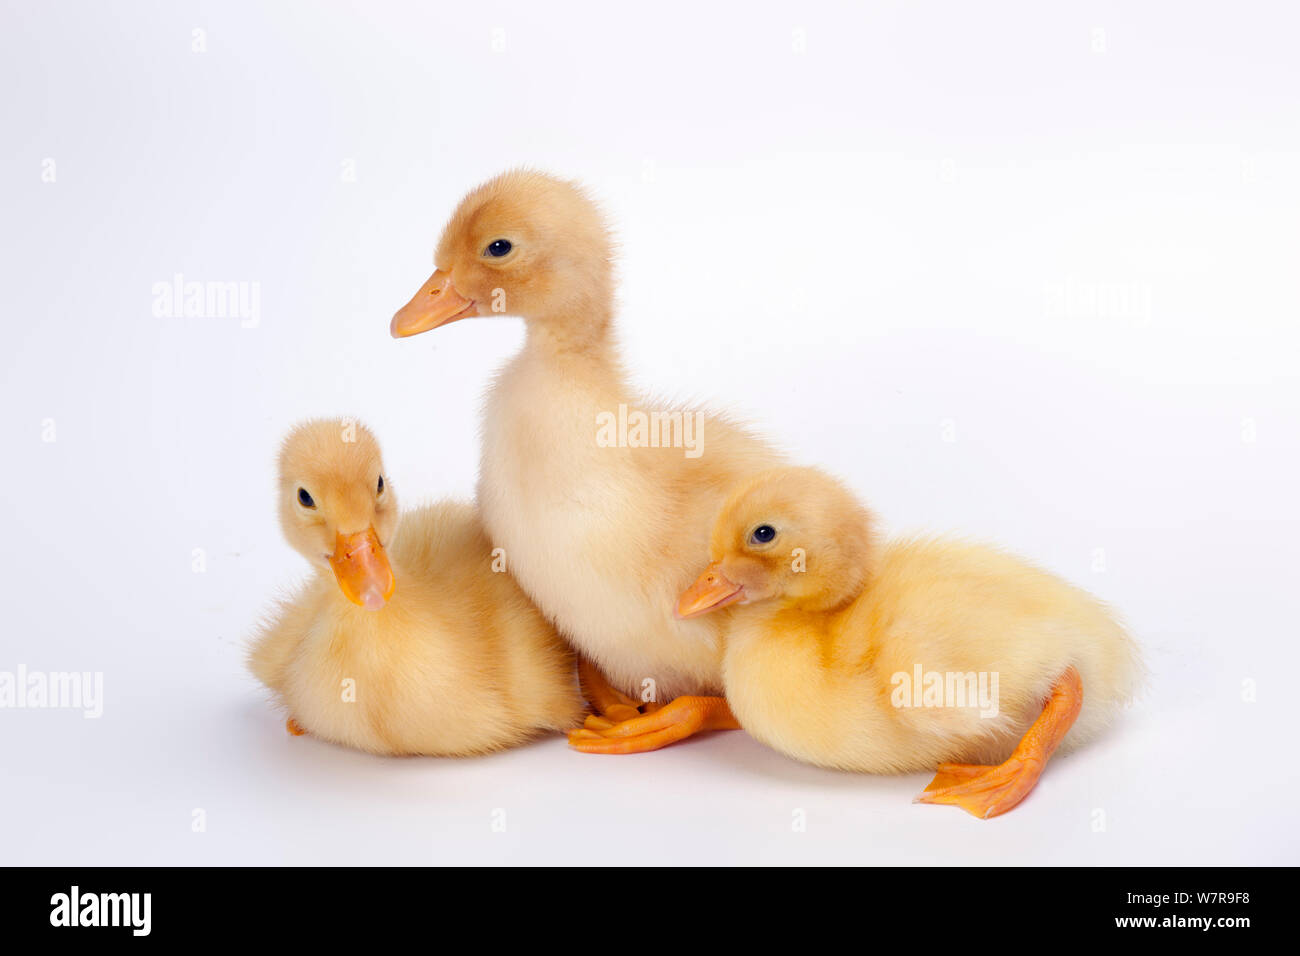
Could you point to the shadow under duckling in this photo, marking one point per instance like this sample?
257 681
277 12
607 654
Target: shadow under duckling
831 631
409 638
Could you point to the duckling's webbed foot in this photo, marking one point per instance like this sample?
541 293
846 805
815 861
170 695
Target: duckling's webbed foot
618 713
296 728
990 791
979 790
610 703
952 774
682 718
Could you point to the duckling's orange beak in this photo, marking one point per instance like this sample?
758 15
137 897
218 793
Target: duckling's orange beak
362 569
437 303
711 590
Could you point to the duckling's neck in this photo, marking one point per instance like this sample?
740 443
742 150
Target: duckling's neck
581 342
555 339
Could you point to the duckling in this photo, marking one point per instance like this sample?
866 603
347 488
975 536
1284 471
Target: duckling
406 639
923 652
602 524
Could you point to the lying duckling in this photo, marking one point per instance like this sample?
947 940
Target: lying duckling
432 652
830 630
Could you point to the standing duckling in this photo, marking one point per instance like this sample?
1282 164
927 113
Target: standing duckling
603 529
405 640
830 633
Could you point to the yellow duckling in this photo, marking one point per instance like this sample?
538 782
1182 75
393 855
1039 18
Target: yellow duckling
924 652
431 651
600 497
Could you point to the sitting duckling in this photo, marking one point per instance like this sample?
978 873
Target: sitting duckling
430 651
830 631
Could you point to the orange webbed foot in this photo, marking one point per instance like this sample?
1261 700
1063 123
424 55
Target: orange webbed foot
983 792
991 791
951 774
617 714
677 720
294 727
610 704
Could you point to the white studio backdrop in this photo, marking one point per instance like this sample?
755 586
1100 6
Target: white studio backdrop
1024 272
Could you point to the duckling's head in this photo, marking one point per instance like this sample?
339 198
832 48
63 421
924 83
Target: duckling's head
524 244
337 507
791 535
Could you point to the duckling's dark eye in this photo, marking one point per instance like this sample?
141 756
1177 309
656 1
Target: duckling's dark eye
498 248
763 534
380 490
305 499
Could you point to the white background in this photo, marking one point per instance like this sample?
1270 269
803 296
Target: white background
853 224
